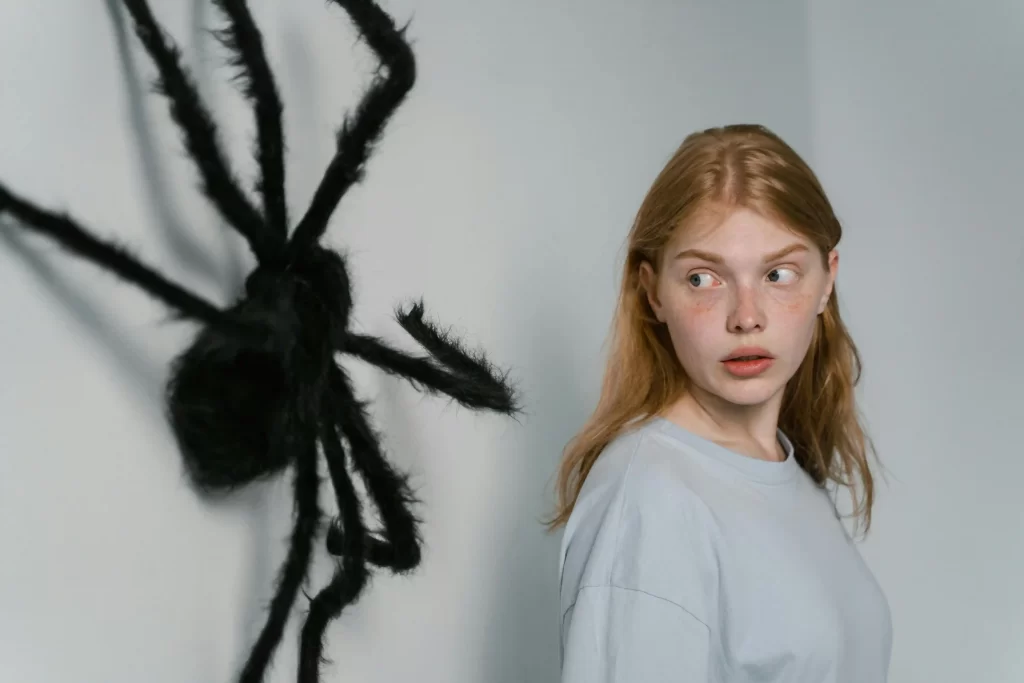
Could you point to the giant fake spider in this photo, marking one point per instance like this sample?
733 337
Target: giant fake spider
259 389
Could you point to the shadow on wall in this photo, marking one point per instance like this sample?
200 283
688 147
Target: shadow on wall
523 616
225 275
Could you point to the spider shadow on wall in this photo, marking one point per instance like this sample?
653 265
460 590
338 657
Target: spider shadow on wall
136 369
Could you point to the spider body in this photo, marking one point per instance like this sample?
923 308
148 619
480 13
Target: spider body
234 399
259 390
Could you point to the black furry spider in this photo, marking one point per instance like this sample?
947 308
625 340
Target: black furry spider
259 389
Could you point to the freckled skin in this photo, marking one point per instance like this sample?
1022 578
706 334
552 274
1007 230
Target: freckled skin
712 308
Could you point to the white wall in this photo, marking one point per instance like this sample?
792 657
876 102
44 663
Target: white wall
917 136
501 193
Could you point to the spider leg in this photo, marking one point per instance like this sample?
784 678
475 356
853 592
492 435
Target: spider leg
444 347
390 491
306 487
489 392
468 378
200 135
357 135
168 217
243 38
351 574
76 239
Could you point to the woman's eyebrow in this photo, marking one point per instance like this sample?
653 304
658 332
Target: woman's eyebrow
715 258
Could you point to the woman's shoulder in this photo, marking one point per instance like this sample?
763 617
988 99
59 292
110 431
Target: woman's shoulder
635 524
640 472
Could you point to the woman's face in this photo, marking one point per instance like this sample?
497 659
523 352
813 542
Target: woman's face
745 282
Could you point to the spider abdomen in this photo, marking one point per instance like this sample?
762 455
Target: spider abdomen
227 403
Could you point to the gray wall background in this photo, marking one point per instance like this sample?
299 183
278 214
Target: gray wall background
502 193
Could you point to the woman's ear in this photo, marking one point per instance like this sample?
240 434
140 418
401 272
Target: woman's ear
833 270
649 281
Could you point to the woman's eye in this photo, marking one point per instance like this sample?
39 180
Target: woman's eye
695 278
780 277
776 276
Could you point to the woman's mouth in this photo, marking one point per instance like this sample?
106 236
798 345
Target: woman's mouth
748 366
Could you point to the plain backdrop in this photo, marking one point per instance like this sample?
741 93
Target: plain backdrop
501 193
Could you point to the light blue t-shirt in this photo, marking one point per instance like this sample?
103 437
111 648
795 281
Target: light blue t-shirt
686 561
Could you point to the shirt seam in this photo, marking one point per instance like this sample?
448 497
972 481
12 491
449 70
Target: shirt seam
747 475
634 590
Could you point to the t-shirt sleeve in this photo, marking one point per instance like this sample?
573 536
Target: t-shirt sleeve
623 635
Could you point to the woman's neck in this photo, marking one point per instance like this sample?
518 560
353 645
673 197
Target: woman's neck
751 430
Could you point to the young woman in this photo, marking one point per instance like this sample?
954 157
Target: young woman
701 542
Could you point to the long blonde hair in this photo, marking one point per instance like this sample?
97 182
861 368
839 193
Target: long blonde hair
747 166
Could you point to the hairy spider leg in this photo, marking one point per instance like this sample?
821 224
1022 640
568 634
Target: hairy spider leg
350 574
358 134
200 135
483 387
389 490
242 37
78 240
306 487
478 389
